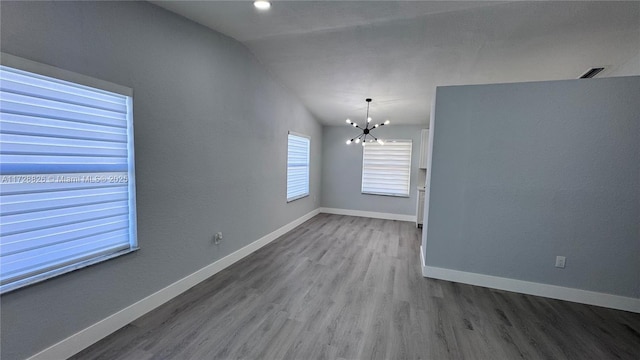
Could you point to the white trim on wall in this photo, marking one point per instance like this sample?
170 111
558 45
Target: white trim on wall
532 288
369 214
422 262
87 337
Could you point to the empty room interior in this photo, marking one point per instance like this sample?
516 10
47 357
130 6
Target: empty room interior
319 179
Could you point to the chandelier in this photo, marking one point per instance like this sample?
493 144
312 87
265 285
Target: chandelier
366 131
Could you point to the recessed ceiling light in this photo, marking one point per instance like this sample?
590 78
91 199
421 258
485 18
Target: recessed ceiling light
262 4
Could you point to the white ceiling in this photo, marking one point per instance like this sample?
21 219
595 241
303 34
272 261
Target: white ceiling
334 54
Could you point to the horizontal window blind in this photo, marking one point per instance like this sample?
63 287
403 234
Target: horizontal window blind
386 169
297 166
67 196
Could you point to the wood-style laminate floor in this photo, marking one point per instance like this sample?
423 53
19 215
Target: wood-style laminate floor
349 287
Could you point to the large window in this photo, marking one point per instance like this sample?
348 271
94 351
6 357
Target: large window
386 169
297 166
67 196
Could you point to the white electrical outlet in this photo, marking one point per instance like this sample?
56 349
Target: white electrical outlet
217 238
560 260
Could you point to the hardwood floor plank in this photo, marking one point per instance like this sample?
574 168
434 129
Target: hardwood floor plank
399 332
377 328
341 287
281 341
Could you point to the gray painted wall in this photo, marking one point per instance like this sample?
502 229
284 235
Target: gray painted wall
342 171
524 172
210 140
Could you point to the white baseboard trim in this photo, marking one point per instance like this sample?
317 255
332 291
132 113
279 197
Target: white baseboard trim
84 338
369 214
531 288
422 263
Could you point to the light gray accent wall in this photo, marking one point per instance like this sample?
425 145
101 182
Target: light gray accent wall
524 172
342 171
210 142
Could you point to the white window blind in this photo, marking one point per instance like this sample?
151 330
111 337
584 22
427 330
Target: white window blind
67 196
297 166
386 169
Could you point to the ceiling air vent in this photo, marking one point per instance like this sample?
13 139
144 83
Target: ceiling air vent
591 73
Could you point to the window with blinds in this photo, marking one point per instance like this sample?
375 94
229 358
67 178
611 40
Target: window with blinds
386 169
297 166
67 195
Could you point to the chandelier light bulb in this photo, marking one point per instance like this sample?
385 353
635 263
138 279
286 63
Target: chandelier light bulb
357 141
348 142
348 121
386 122
354 124
363 143
262 4
368 119
376 125
380 142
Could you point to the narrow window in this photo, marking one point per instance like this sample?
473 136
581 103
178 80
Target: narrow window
297 166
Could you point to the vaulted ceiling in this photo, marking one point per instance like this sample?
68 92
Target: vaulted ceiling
334 54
